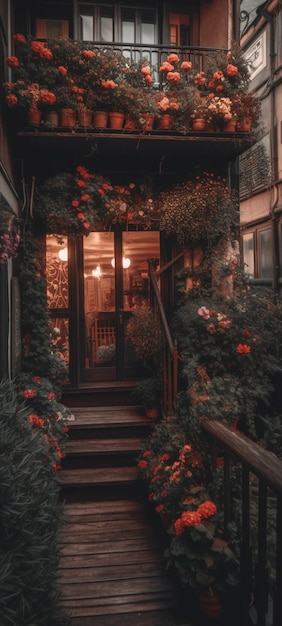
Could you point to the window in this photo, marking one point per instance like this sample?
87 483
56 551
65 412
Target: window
52 29
179 29
257 251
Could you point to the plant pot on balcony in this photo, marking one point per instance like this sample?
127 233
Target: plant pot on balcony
52 117
34 117
67 118
210 603
116 120
230 126
165 122
84 117
147 121
244 125
198 124
129 123
100 119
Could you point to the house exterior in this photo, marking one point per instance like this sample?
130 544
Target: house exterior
94 282
260 167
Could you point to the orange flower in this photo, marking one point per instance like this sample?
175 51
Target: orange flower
88 54
45 53
186 66
173 77
166 67
187 519
47 97
146 69
108 84
36 46
35 420
149 79
242 348
173 58
231 70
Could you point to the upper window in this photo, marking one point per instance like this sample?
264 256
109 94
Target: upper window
116 22
257 250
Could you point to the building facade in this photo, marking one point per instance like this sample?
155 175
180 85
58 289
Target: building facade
94 282
260 167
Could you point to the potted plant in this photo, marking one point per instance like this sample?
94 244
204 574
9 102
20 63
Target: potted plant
148 391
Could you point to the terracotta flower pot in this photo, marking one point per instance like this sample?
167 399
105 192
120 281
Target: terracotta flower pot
210 603
147 121
52 117
116 120
129 123
84 117
230 126
68 118
100 119
199 124
153 413
245 124
34 117
165 122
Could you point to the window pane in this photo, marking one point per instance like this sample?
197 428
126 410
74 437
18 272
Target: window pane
147 26
60 337
128 26
106 28
248 254
56 274
86 27
265 254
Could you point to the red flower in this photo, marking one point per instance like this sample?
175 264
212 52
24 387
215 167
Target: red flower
19 38
35 420
75 203
242 348
247 333
36 379
80 216
101 192
11 100
29 393
45 53
63 71
86 225
142 464
206 509
13 62
151 496
51 395
159 508
81 183
147 453
85 197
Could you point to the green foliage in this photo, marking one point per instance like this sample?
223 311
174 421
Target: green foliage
143 335
38 356
199 210
231 353
148 391
30 518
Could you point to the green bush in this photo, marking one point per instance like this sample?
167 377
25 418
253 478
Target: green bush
30 519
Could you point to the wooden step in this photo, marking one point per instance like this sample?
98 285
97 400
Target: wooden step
130 445
99 476
114 422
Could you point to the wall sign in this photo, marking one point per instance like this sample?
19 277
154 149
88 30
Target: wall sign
255 55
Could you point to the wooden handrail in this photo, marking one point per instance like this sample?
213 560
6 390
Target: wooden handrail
268 470
170 360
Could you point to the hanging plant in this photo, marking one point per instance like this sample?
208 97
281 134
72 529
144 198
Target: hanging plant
199 211
67 204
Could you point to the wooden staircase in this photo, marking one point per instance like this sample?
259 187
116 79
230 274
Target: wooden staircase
112 569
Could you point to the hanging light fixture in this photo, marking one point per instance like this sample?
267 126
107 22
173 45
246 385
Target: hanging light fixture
125 262
63 254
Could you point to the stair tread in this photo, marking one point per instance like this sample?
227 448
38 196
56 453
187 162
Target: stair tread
106 417
102 446
99 476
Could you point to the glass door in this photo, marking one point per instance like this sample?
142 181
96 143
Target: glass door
116 279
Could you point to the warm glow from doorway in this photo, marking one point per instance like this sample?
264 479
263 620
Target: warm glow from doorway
125 262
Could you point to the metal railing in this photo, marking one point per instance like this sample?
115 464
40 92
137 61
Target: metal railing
156 54
262 482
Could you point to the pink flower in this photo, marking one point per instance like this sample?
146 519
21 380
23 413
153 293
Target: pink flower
204 312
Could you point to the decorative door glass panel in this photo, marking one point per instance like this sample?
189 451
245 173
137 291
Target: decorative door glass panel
99 299
57 273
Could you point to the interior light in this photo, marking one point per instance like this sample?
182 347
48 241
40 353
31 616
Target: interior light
97 272
125 262
63 254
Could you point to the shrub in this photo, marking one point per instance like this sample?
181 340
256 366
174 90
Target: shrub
30 519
